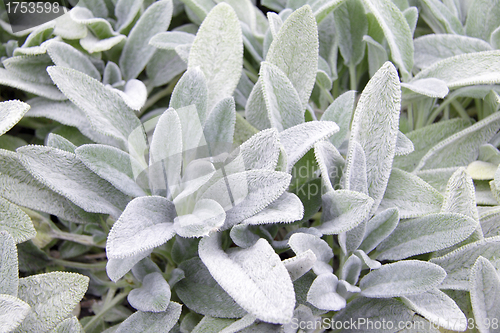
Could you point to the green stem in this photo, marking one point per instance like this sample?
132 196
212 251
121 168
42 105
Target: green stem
335 90
72 264
352 77
460 109
250 71
159 95
328 95
410 118
80 239
438 110
107 307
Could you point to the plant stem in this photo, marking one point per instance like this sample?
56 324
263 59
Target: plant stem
460 109
250 71
438 110
159 95
352 77
92 266
107 307
328 95
410 118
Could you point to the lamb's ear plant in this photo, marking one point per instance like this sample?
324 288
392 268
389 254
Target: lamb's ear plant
227 166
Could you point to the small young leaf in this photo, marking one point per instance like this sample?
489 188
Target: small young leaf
12 312
299 139
322 293
170 39
256 110
58 141
114 165
459 262
287 208
330 163
432 48
16 222
426 234
408 277
411 195
149 322
134 94
351 25
301 242
377 55
438 308
65 55
429 87
351 269
340 112
343 210
460 195
10 114
152 296
378 228
207 216
255 278
137 51
201 293
218 51
219 126
396 31
283 104
295 51
404 146
191 89
125 12
484 293
375 128
145 224
300 264
117 268
52 297
9 273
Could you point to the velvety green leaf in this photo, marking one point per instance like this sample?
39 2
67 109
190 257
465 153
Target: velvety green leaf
465 69
199 7
70 325
295 51
396 31
137 51
298 140
134 94
460 195
440 19
105 108
149 322
351 25
52 297
12 312
495 38
432 48
300 264
426 234
170 39
330 163
49 91
117 268
340 111
201 293
490 222
479 170
65 55
66 175
100 27
9 274
301 242
378 228
114 165
164 66
357 178
191 89
375 128
16 222
322 293
126 11
322 8
411 195
351 269
145 224
461 148
261 151
165 159
377 55
20 187
256 109
10 114
9 142
219 126
438 308
98 7
218 51
244 194
404 146
484 293
361 308
68 29
483 17
343 210
287 208
210 324
429 87
283 104
255 278
425 138
459 262
92 44
144 267
152 296
402 278
29 68
207 216
276 5
58 141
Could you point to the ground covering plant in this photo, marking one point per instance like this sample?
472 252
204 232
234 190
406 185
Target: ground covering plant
228 166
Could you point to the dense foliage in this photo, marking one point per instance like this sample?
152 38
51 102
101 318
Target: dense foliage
214 166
